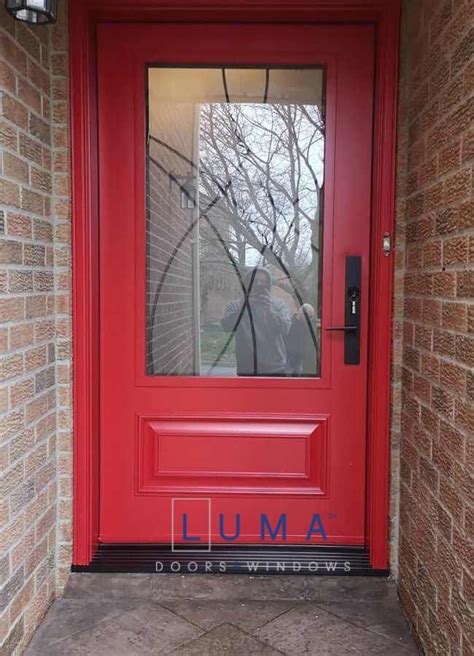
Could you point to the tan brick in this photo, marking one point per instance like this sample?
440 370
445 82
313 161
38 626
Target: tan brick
41 180
13 54
431 254
444 343
63 373
465 349
10 192
60 137
11 309
456 250
15 112
422 389
7 78
29 95
431 312
8 135
464 416
463 53
19 225
62 233
59 64
47 205
35 306
31 201
3 399
20 282
414 257
42 230
60 112
46 109
44 329
35 460
35 358
423 337
430 366
61 208
63 256
10 424
38 76
434 197
21 335
61 184
30 148
16 168
447 221
452 95
468 147
34 255
28 40
465 284
458 186
61 161
36 408
444 284
454 316
465 218
63 304
60 89
40 129
12 478
46 158
45 428
22 599
11 366
453 377
11 252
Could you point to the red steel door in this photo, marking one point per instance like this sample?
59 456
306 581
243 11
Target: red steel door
235 174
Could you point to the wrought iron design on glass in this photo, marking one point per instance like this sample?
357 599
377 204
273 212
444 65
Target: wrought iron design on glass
235 172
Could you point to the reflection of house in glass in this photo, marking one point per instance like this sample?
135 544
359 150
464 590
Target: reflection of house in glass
170 326
254 199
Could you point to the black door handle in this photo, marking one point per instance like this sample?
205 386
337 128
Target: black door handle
344 329
352 300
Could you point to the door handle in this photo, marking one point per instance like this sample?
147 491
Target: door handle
352 299
345 329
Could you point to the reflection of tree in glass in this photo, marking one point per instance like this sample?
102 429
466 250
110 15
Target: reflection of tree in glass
217 275
266 163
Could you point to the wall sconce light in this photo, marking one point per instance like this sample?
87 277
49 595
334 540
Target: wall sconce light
36 12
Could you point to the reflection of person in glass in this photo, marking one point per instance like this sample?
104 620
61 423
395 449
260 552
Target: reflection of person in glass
299 342
260 328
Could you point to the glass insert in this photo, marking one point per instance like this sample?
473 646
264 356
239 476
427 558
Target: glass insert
235 171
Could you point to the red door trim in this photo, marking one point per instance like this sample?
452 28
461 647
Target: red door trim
83 18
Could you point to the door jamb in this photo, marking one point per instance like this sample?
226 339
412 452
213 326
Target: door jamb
83 19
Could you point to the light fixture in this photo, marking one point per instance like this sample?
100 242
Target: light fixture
188 194
33 11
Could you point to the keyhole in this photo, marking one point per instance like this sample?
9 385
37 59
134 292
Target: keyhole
353 295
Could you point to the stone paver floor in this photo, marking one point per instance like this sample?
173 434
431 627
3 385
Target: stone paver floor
128 615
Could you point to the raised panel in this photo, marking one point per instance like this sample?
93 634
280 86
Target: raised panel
232 455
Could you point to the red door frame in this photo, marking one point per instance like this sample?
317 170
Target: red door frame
83 19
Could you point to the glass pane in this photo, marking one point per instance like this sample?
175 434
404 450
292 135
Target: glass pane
235 164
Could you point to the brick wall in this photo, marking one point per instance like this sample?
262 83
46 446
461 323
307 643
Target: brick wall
34 325
434 345
433 323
